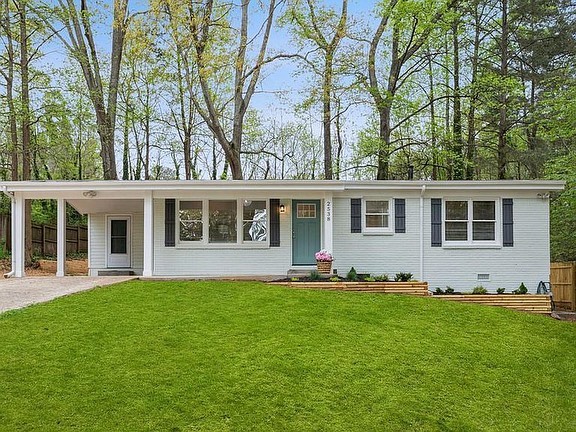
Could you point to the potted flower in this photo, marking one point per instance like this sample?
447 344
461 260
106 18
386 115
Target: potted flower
324 261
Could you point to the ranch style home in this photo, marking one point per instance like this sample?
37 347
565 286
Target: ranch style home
449 233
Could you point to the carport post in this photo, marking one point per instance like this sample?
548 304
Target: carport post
18 237
61 239
148 234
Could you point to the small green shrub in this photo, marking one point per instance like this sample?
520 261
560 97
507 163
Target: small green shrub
501 290
479 290
369 279
382 278
449 290
295 279
438 291
403 277
521 289
334 279
352 275
314 275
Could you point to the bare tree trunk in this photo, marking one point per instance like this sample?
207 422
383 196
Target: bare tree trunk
471 117
25 122
502 153
433 138
126 143
8 75
327 115
458 147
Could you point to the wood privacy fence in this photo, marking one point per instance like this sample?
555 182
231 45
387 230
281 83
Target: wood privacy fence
563 282
5 234
44 238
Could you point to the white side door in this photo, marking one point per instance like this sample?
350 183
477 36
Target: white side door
118 242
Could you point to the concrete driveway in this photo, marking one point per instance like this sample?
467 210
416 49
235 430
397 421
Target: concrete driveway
16 293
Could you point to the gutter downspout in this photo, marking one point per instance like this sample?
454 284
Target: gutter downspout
12 228
422 192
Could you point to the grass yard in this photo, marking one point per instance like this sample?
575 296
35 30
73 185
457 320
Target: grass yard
218 356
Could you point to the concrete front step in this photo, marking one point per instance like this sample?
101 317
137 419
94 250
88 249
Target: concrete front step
115 273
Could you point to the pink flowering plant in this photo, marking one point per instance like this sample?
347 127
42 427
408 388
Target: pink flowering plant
324 256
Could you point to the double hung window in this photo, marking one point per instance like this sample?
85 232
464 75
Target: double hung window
377 216
470 221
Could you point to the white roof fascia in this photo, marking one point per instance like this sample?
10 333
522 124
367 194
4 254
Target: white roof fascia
174 185
277 185
459 185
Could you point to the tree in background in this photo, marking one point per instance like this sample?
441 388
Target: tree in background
80 41
322 30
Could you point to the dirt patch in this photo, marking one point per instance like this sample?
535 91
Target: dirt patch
44 267
564 316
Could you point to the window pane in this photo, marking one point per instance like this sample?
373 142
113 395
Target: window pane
376 221
190 230
484 231
118 245
456 231
376 206
222 222
306 211
254 224
118 227
191 205
484 210
456 210
190 215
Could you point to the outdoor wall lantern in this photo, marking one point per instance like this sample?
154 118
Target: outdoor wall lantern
282 208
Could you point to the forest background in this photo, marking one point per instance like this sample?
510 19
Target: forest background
290 89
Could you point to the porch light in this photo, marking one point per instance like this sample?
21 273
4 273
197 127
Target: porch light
89 194
282 208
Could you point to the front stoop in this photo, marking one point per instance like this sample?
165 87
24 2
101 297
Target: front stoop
115 273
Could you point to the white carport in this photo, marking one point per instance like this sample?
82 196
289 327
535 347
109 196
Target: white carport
86 198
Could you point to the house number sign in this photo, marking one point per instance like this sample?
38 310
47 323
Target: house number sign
328 210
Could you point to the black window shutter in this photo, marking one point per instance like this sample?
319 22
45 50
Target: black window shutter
507 222
275 223
436 213
356 215
170 222
400 215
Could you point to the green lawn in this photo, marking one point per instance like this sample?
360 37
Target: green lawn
215 356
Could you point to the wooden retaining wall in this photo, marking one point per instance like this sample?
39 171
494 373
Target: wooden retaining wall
563 283
411 288
535 303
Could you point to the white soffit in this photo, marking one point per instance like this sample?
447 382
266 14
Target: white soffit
116 206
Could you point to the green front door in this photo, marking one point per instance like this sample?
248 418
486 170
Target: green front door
305 231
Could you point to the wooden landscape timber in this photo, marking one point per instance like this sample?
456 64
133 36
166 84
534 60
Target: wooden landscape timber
410 288
534 303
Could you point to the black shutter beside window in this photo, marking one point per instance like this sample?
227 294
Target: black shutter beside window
400 215
507 222
275 223
169 222
436 219
356 215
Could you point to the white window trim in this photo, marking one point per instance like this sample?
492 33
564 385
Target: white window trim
378 231
239 244
475 244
